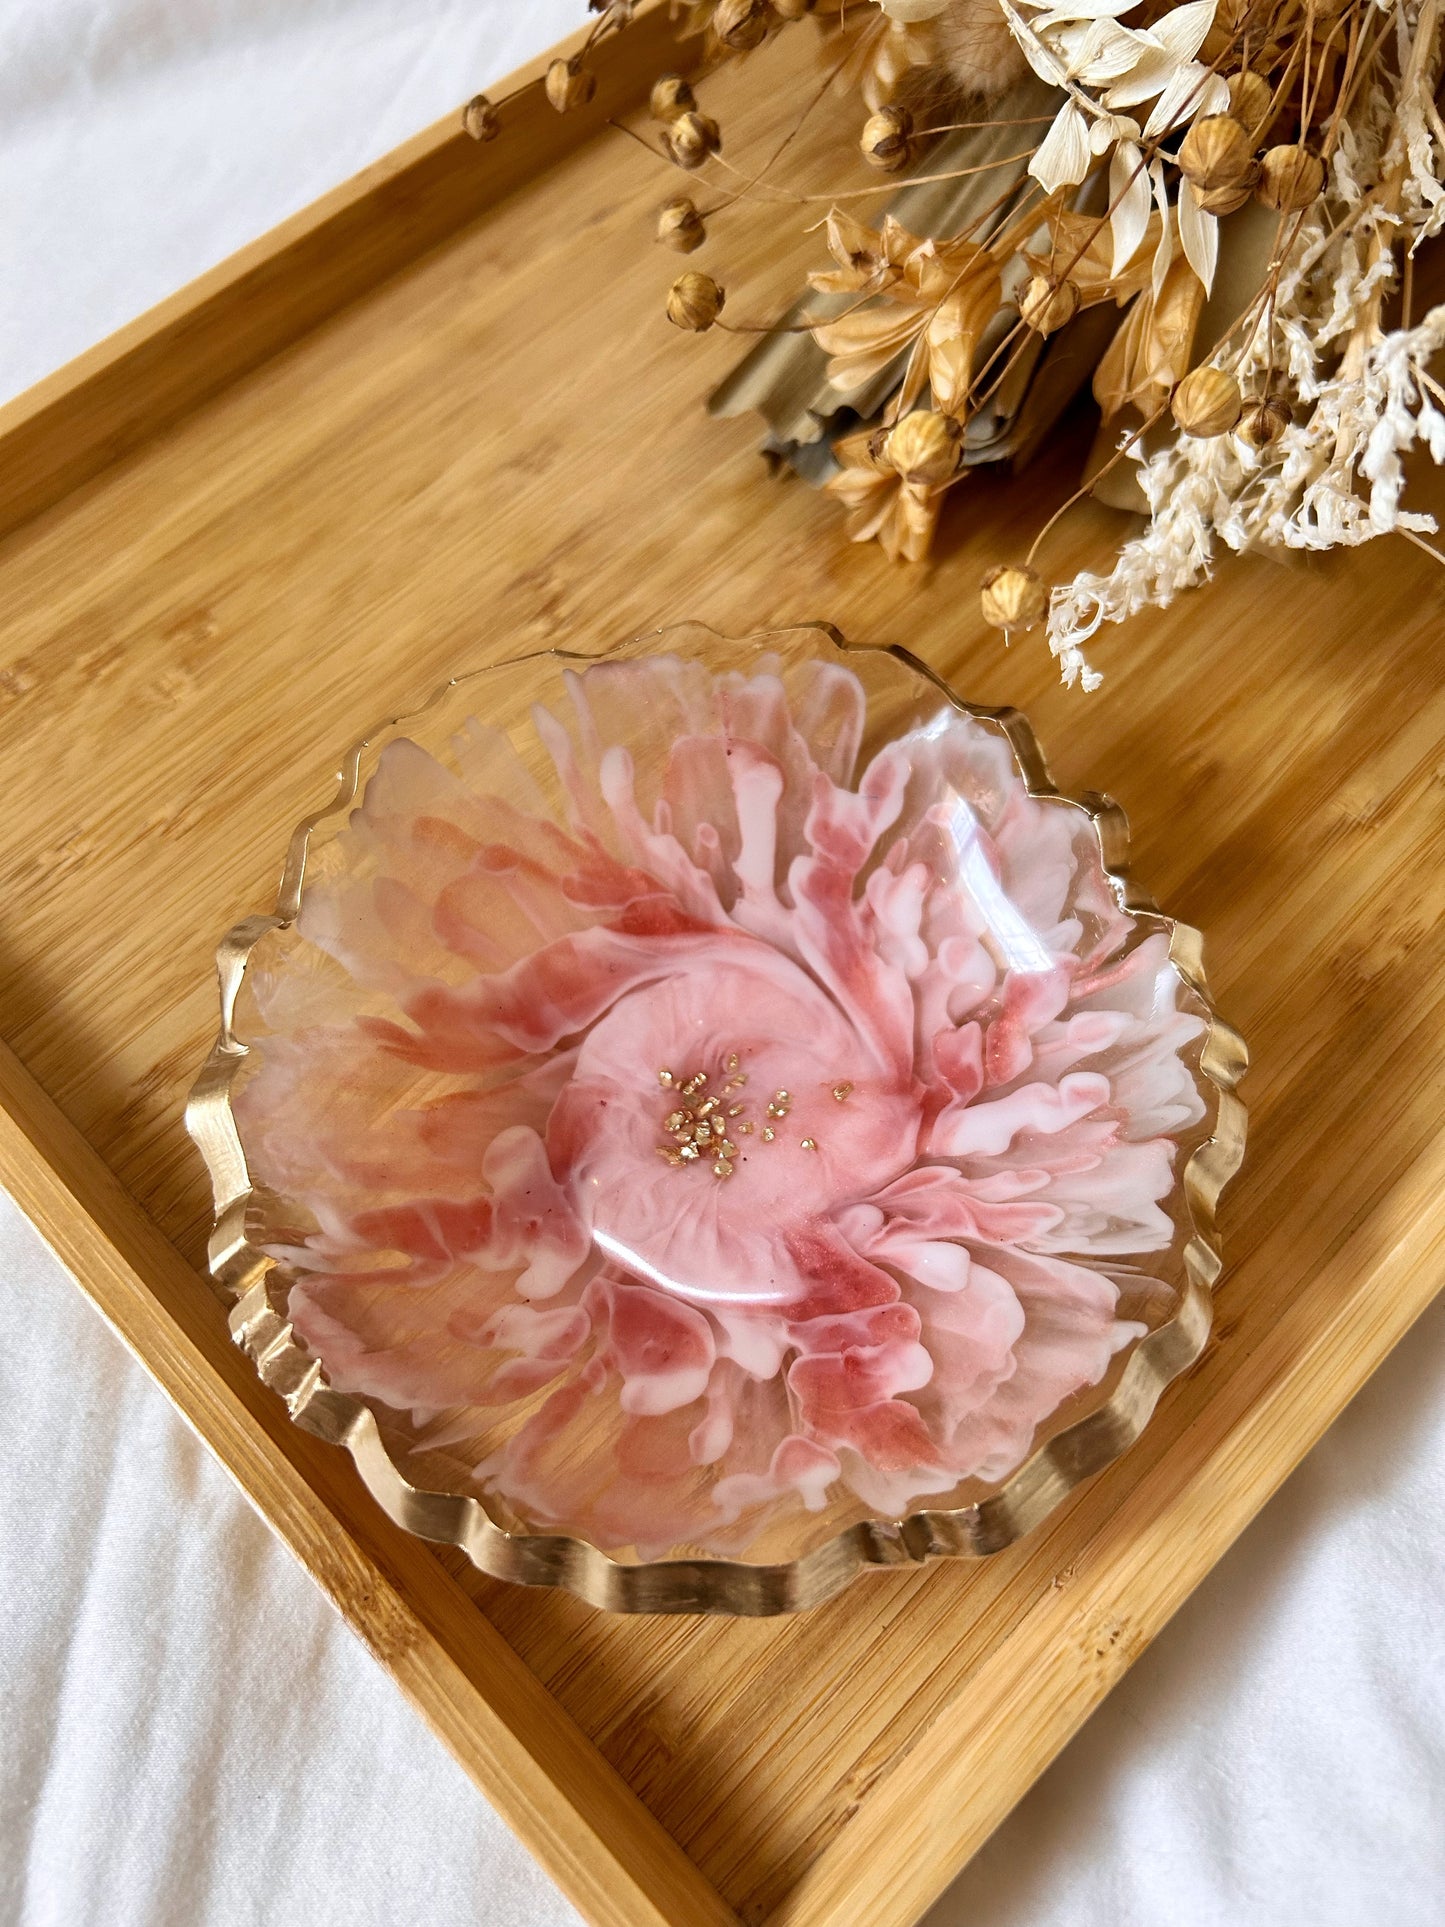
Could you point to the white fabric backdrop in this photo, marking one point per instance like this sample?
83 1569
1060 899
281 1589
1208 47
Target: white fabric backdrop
191 1737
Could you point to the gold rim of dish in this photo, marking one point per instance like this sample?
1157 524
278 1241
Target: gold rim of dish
717 1585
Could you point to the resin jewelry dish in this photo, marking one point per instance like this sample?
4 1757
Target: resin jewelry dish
709 1118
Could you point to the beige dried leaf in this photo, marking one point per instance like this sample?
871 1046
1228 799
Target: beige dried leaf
879 504
1081 251
869 259
862 344
953 335
915 517
868 493
936 302
937 267
1150 352
885 54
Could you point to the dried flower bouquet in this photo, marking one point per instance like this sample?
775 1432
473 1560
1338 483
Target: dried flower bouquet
1218 205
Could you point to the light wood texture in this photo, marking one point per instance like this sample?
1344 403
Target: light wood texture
125 390
504 446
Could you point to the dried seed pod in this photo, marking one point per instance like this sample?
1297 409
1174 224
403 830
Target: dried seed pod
1290 178
742 24
876 451
1249 97
691 138
1264 421
670 96
1014 597
1224 200
1207 401
887 139
694 302
569 84
1216 152
1045 307
925 448
680 226
480 119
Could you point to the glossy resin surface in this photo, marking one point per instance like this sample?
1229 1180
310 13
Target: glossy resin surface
703 1100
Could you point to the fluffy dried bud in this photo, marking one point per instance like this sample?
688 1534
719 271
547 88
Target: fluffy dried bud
1014 597
569 84
793 9
670 96
925 448
480 119
1290 178
1207 401
1224 200
694 302
1263 422
1045 307
1249 98
691 138
742 24
1216 152
887 139
680 226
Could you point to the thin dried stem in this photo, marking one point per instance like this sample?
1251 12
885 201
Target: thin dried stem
893 186
1420 543
1087 488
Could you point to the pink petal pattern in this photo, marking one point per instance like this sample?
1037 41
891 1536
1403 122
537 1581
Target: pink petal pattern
689 1120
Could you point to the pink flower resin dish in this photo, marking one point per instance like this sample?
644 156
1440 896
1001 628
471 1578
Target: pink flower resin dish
711 1104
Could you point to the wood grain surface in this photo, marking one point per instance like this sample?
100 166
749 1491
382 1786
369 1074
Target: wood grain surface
122 392
503 445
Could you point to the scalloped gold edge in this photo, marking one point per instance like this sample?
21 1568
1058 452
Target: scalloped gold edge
722 1586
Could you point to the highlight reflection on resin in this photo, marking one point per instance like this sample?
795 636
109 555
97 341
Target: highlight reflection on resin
719 1098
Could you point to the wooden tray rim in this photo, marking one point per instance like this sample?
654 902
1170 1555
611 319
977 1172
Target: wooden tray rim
548 1780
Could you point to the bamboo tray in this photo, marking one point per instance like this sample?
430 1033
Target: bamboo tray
432 418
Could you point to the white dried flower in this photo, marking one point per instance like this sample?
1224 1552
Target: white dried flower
1103 67
1359 398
